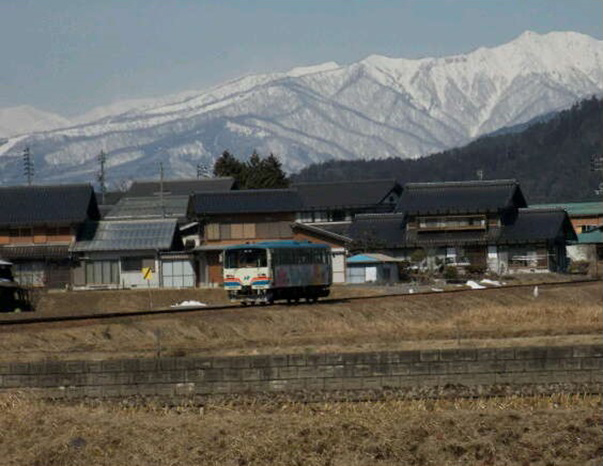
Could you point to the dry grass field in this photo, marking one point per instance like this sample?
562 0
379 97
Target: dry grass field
511 316
543 431
554 430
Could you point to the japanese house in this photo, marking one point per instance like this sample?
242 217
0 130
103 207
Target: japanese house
483 225
587 220
340 201
373 268
130 254
38 225
238 217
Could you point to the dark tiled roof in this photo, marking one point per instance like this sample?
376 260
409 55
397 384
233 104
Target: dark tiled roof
52 204
337 228
110 197
35 252
531 225
378 230
149 207
325 230
180 187
246 201
538 225
460 197
323 195
129 235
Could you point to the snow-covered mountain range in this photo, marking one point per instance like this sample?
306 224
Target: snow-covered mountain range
27 119
376 108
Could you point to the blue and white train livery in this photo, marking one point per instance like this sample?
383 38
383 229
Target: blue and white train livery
268 271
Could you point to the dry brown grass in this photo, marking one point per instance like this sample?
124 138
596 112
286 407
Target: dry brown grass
466 319
50 303
552 430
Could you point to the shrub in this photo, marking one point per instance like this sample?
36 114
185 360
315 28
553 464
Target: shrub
476 270
418 256
404 271
451 272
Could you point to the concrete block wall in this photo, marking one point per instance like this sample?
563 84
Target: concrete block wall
310 372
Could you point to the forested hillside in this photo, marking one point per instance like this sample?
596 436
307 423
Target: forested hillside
551 159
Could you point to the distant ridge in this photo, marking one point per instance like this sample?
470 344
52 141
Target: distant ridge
379 107
550 159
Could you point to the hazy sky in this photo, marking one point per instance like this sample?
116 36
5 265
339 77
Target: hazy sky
67 56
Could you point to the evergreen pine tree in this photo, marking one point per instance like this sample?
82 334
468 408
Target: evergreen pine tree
256 173
274 174
228 165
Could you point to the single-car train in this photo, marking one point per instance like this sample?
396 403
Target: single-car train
269 271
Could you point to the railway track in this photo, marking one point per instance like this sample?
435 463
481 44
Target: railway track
101 316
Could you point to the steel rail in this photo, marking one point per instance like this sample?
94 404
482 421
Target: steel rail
170 311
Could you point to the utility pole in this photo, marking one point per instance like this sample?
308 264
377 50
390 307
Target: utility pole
203 171
28 166
102 159
596 165
161 203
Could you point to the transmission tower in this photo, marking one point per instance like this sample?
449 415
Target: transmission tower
203 171
28 166
161 200
102 159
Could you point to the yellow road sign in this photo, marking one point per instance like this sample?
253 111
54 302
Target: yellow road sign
147 273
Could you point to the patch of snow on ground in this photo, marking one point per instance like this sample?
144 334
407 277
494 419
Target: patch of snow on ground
189 304
487 281
474 285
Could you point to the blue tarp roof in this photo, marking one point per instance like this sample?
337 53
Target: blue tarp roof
371 258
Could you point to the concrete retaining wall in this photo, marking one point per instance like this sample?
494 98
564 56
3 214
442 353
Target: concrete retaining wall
310 372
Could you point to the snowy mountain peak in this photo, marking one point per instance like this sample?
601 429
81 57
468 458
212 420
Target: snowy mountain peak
305 70
377 107
27 119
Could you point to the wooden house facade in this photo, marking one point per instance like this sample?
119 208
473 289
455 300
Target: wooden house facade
236 217
38 226
482 225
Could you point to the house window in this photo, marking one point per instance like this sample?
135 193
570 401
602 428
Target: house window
272 230
236 231
355 275
30 273
212 231
249 230
338 216
526 256
469 222
58 233
136 264
306 217
104 272
226 231
178 274
22 234
451 255
320 217
40 235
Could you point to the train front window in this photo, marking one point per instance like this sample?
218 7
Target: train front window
245 258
